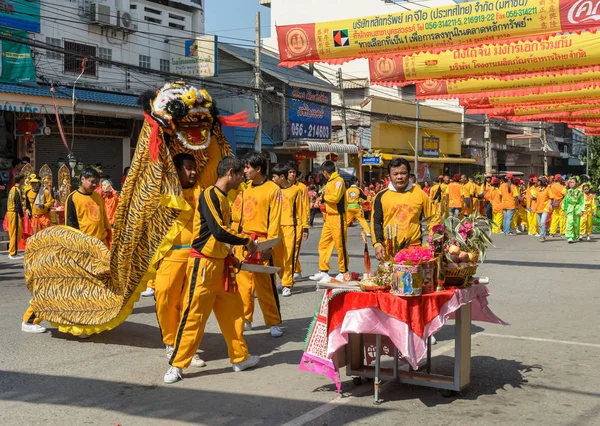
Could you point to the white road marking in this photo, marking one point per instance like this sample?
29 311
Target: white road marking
342 400
537 339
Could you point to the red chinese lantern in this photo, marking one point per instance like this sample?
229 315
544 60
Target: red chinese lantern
27 126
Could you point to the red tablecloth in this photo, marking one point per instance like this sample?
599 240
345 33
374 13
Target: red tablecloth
407 321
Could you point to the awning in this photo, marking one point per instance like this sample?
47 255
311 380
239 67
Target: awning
444 160
272 157
331 147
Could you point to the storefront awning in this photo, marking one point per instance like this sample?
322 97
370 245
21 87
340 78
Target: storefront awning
331 147
444 160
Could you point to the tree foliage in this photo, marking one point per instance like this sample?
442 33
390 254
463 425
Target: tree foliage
594 160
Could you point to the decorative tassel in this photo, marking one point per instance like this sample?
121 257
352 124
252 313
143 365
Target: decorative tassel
155 139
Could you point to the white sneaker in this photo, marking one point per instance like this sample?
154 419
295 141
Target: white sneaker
32 328
247 326
536 235
276 331
169 351
297 276
197 361
318 276
173 375
17 257
149 292
250 362
286 292
588 238
570 241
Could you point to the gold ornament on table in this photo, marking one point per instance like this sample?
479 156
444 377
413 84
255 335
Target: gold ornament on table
64 180
46 176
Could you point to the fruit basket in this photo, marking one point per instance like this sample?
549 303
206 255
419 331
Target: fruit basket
459 276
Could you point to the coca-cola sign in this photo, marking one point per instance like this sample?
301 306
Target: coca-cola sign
579 14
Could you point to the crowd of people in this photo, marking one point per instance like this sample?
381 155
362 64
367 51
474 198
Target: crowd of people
257 216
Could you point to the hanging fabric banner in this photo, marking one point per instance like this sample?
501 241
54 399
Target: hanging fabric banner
585 96
433 30
554 108
562 54
564 117
493 86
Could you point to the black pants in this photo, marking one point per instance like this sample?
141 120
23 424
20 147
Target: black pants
313 214
487 209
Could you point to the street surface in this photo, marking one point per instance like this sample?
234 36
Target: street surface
542 369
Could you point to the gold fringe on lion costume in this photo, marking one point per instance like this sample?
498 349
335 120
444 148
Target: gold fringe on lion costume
80 286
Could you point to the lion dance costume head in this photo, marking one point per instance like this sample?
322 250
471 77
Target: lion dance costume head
77 283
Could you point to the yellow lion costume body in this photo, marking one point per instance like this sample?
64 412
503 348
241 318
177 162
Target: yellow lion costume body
80 286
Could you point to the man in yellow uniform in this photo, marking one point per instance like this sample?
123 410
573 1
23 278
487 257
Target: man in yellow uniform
303 226
39 202
494 196
557 193
354 198
444 185
510 198
530 205
171 275
210 285
261 219
468 191
293 211
84 209
335 231
15 211
398 212
454 197
589 213
437 195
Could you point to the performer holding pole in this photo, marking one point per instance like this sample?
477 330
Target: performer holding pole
211 284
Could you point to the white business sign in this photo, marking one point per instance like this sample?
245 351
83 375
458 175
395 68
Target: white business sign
196 57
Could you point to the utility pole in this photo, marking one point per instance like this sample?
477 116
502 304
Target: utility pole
545 148
416 170
257 85
587 155
344 124
487 136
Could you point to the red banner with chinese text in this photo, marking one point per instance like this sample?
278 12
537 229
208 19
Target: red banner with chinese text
566 54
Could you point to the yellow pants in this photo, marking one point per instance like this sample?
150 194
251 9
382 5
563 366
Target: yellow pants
586 224
204 293
558 223
532 225
299 231
520 217
360 217
266 293
334 233
15 232
497 219
285 255
170 280
29 317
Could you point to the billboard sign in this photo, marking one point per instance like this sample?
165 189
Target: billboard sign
195 57
309 114
16 65
430 146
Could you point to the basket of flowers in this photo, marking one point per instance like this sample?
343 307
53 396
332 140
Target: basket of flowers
413 273
462 243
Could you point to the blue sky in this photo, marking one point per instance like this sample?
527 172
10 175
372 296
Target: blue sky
235 18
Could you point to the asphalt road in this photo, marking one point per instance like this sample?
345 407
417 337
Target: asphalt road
542 369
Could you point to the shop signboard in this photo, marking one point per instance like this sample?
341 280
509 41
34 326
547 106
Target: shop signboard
430 146
371 161
309 114
196 57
